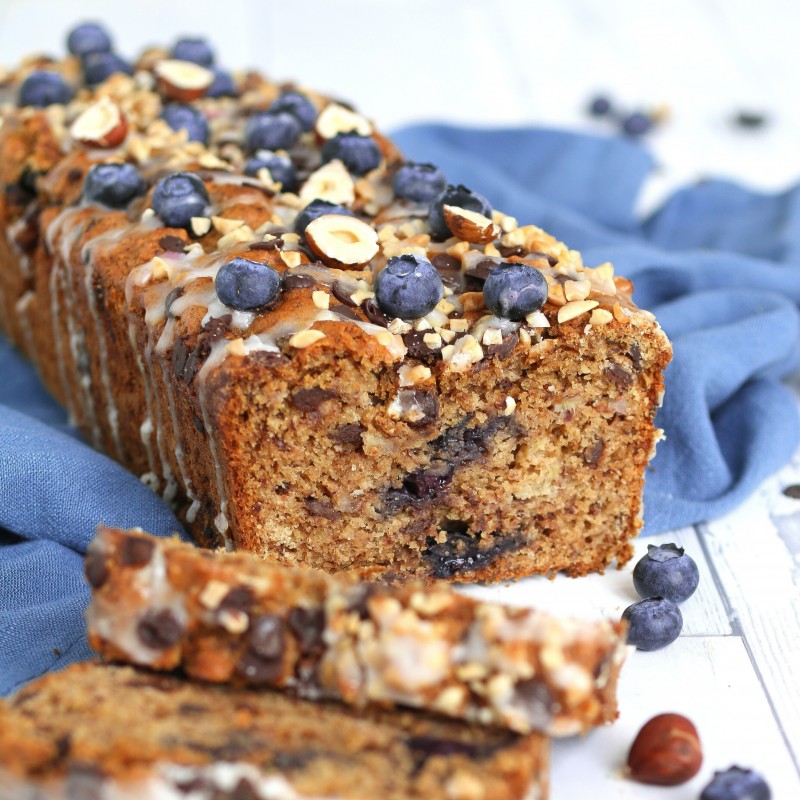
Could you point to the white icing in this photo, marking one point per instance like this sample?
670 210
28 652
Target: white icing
22 307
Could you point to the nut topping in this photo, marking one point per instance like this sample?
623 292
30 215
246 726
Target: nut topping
341 241
182 80
337 119
331 182
102 124
470 226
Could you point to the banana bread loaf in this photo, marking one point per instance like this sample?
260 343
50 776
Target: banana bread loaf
231 618
312 349
116 733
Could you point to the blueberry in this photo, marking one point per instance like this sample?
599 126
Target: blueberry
222 85
43 89
244 284
666 571
317 208
455 196
268 131
179 197
408 287
193 49
88 38
600 106
420 183
182 117
637 124
113 185
359 154
513 290
736 783
97 67
654 623
299 106
281 169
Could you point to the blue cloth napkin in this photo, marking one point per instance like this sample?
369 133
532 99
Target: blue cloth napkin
719 264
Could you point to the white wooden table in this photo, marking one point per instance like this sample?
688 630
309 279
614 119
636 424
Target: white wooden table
735 669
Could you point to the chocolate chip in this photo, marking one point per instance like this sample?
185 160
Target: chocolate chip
426 403
635 355
348 434
482 269
172 244
346 312
358 598
793 491
373 313
446 263
507 250
267 637
416 347
160 629
244 790
298 281
534 696
502 350
136 552
321 508
593 453
95 569
272 244
172 297
618 375
74 175
217 327
310 399
240 598
308 626
342 294
258 671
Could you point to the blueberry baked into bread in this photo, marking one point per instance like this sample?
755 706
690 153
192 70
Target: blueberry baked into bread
95 732
313 349
232 618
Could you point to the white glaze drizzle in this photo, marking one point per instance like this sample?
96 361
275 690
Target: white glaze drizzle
21 307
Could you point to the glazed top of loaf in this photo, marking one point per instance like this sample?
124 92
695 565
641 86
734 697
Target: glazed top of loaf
327 279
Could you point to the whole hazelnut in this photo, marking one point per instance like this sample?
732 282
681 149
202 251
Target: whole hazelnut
665 752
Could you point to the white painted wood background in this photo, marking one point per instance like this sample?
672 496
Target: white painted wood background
735 669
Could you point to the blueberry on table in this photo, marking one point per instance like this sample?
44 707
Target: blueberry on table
637 124
736 783
419 183
666 571
459 196
113 185
653 623
408 287
268 131
317 208
223 84
98 67
281 169
600 106
245 285
513 290
179 197
88 38
193 49
298 105
42 89
360 154
182 117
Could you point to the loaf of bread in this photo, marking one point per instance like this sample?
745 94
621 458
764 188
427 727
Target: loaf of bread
95 732
231 618
312 349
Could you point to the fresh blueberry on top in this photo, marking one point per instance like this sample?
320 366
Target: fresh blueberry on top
600 106
513 290
653 623
222 85
317 208
637 124
43 89
736 783
408 287
182 117
179 197
299 105
359 154
245 285
455 196
268 131
419 183
666 571
113 185
88 38
98 67
193 49
281 169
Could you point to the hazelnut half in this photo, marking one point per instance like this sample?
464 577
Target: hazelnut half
341 241
331 182
666 751
469 225
335 119
102 124
182 80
